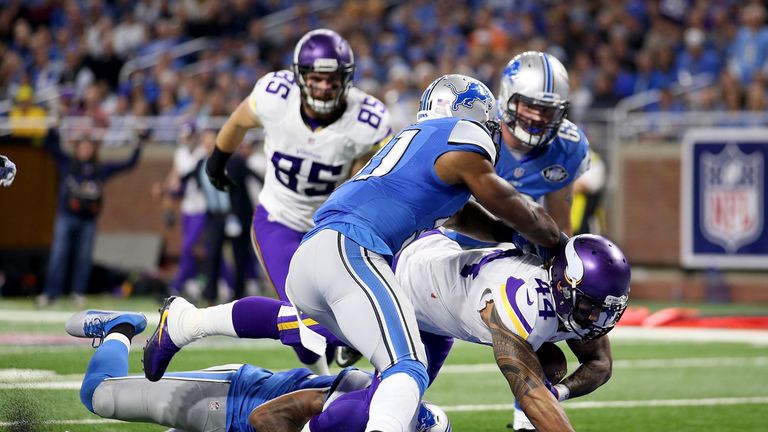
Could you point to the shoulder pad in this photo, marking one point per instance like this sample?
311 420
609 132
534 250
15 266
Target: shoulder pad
270 95
517 306
473 133
372 123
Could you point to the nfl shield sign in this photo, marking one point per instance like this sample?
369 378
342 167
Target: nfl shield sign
732 197
723 198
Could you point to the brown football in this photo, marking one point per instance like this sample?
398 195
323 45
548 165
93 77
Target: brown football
552 361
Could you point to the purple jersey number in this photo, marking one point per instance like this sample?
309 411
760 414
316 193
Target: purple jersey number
371 112
280 84
548 310
322 178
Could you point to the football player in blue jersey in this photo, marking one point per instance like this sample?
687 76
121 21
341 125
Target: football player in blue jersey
340 276
544 152
224 398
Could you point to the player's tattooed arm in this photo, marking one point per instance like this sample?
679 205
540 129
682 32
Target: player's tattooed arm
520 366
289 412
595 369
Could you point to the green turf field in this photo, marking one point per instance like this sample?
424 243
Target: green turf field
656 385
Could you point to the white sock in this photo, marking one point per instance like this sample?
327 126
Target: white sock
119 337
217 320
186 323
320 367
394 404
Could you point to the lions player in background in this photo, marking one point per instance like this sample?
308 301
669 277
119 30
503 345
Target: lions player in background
7 171
544 153
319 129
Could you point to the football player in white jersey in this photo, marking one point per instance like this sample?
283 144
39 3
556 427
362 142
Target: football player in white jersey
509 300
493 296
319 130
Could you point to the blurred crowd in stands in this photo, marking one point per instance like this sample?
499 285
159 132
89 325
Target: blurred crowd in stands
101 58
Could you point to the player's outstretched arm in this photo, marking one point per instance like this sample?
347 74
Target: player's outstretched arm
559 205
498 196
520 366
595 369
289 412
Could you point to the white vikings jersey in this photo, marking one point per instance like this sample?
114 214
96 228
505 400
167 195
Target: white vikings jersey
305 166
448 287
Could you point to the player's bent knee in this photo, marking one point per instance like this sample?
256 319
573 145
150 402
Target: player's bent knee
104 401
87 391
413 368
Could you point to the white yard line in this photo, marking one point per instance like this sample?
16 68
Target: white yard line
573 405
569 405
32 379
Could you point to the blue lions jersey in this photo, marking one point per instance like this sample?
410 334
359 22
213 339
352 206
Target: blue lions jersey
251 386
398 195
545 170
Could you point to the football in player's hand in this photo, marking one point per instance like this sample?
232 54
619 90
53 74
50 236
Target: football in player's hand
552 362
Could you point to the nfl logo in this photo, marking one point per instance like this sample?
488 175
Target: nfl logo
732 197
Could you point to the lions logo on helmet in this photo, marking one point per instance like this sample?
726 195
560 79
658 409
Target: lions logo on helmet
539 81
475 102
432 418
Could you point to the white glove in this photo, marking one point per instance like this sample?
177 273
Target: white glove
7 171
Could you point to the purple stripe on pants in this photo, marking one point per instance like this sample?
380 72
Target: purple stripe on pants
275 245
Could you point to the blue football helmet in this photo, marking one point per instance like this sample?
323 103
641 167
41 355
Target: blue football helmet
539 81
460 96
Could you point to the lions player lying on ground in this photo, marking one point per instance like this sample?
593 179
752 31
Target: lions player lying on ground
489 296
224 398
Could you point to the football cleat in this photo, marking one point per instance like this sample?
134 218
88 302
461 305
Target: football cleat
96 324
346 356
159 349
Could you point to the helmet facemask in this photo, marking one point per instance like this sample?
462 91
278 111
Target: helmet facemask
323 52
534 133
589 280
334 97
587 317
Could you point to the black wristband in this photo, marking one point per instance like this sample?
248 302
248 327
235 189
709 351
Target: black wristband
502 232
217 161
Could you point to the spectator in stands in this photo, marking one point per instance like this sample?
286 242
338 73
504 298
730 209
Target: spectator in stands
697 59
27 119
80 199
746 55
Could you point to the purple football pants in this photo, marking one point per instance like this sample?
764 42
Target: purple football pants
275 245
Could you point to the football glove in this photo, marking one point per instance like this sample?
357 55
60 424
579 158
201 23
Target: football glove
215 167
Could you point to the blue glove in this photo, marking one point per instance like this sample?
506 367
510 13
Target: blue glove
547 253
7 171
